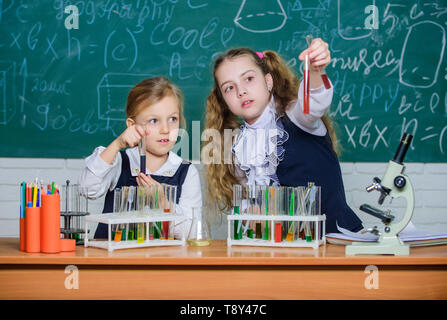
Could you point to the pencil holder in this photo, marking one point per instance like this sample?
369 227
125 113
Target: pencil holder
67 245
50 224
32 229
22 235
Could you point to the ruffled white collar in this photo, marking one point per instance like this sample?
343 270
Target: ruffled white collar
256 149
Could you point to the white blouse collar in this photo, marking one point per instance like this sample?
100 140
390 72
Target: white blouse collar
266 117
256 148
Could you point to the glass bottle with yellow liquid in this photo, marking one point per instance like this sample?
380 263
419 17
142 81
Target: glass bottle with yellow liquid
199 234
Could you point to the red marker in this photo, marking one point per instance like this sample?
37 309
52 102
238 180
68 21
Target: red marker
306 85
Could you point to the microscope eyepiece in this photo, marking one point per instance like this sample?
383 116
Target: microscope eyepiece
403 148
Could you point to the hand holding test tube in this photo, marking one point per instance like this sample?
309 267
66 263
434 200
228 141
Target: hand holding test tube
322 70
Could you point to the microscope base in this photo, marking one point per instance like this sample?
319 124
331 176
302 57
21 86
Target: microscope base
386 245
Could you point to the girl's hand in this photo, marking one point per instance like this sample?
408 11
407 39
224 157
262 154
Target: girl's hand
319 54
132 136
146 180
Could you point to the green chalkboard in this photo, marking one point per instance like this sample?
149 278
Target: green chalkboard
63 91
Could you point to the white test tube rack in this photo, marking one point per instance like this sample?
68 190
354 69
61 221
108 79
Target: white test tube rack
154 215
299 243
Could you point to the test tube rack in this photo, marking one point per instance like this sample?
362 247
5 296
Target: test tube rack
282 216
154 215
317 240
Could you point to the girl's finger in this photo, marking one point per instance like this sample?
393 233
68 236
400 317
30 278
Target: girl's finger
147 179
317 43
140 183
139 130
324 56
318 52
321 62
302 55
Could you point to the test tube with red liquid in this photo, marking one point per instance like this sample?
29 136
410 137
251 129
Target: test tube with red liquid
306 85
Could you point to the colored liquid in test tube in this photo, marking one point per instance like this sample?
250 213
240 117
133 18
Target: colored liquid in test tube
141 197
291 230
142 151
325 79
237 202
306 85
258 225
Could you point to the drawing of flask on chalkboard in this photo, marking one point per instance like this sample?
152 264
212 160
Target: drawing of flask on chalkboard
255 18
419 65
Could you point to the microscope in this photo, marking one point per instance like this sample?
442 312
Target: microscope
394 184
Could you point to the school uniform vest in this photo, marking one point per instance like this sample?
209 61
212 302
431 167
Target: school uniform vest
310 158
126 179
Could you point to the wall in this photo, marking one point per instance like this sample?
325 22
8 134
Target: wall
429 181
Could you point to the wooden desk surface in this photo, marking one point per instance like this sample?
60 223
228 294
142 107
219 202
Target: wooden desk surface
219 254
220 273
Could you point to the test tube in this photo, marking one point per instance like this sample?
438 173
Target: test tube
116 200
314 207
131 231
172 203
142 152
237 202
123 210
266 211
253 209
306 85
140 208
150 204
307 227
116 209
290 201
259 197
157 203
301 207
168 207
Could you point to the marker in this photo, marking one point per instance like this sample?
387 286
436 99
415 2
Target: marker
38 197
52 187
22 199
28 193
34 196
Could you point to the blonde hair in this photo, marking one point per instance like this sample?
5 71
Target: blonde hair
152 90
221 177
